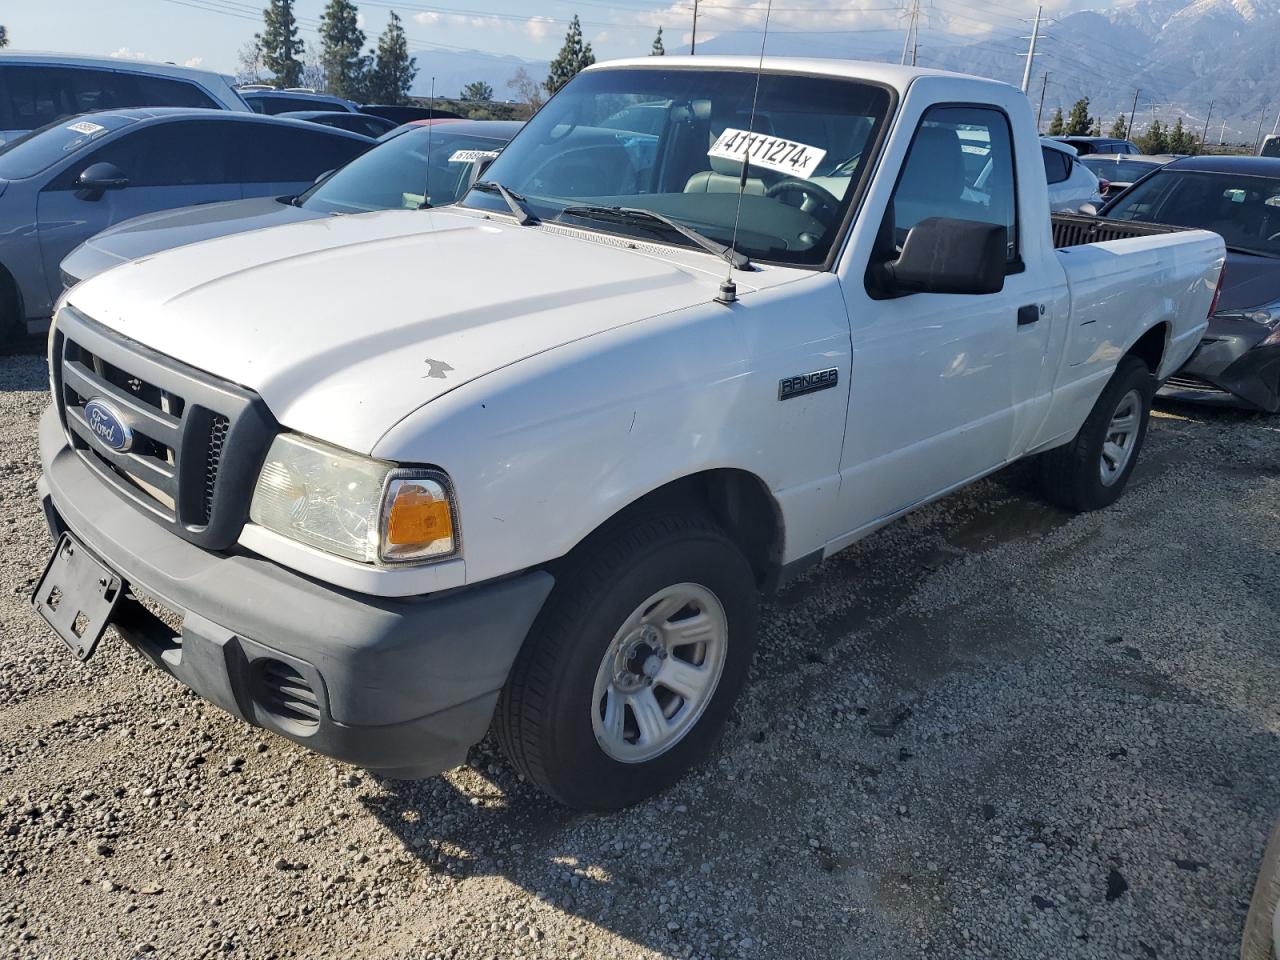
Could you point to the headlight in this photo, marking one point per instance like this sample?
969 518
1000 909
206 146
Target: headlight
356 507
1268 314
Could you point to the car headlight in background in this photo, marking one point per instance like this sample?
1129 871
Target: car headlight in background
1268 315
353 506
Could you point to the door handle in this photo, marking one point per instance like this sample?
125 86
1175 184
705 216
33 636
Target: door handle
1029 314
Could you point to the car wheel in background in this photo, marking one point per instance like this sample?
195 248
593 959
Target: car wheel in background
1262 925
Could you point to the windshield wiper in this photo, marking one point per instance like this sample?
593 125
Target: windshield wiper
524 216
739 260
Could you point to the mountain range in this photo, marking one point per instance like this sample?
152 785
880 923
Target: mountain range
1179 57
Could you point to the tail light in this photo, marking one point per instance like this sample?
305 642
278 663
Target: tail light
1217 293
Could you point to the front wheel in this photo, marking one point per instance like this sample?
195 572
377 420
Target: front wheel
1091 471
629 673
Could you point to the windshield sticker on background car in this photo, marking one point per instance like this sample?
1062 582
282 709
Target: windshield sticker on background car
771 153
85 127
471 156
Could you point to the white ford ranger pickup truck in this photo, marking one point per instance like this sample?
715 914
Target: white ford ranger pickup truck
527 462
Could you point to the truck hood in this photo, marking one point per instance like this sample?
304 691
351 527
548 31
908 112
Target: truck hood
346 325
166 229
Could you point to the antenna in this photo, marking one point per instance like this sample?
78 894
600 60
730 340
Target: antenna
729 289
431 123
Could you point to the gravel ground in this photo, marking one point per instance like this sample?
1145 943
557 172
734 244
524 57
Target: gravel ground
989 731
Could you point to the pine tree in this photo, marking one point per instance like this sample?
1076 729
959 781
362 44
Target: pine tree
1119 129
281 48
1057 126
1079 124
477 90
573 57
1155 140
393 69
658 50
341 41
1180 141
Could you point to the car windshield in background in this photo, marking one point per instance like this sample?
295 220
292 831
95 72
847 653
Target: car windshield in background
671 141
1119 171
393 175
40 149
1245 211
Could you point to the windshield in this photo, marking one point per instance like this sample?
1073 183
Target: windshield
670 141
42 148
1119 171
1245 211
392 175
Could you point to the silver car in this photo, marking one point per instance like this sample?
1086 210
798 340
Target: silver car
62 184
390 176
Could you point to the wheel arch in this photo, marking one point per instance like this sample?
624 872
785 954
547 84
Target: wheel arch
13 317
739 501
1150 348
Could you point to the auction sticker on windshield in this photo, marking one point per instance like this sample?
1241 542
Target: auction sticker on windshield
471 156
771 153
84 126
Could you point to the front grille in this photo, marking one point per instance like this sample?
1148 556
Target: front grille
196 443
1186 382
285 693
217 440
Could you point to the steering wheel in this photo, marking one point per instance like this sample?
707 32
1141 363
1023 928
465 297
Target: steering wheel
816 201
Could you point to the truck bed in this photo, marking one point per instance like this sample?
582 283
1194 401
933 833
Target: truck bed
1073 229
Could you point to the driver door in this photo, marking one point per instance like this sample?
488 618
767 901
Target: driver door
933 374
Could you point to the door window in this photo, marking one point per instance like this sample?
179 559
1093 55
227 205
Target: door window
184 153
286 154
1057 165
32 96
960 166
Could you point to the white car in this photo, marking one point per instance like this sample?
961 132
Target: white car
1073 187
527 461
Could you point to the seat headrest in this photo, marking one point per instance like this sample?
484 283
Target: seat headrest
935 169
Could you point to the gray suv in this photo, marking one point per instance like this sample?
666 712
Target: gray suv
39 88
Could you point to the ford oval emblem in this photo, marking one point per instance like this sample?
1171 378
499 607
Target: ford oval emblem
108 425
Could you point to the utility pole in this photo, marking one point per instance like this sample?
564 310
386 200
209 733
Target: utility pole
693 40
912 41
1040 112
1277 126
1257 140
1031 50
1204 137
1133 110
1222 137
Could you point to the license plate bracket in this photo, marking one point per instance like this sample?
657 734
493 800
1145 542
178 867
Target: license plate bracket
77 596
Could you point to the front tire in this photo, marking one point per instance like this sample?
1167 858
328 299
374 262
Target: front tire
1091 471
632 667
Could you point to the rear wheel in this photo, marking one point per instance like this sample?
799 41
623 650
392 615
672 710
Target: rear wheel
1091 471
627 678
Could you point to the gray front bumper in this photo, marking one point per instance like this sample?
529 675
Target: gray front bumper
403 686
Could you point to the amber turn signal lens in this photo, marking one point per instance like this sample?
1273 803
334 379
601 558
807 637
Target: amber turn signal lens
417 520
418 517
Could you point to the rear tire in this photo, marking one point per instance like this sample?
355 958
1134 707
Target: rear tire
1091 471
587 714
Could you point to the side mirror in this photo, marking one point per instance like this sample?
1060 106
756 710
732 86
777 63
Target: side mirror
97 178
941 255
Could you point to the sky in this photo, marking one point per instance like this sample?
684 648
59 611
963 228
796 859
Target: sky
208 33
